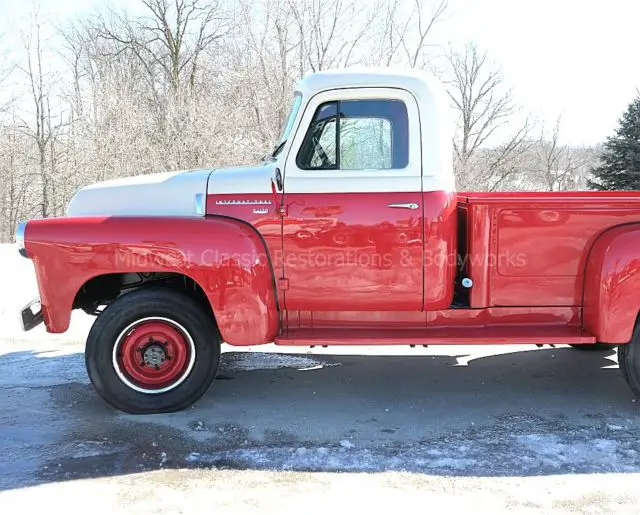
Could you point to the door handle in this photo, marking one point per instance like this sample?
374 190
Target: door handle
411 205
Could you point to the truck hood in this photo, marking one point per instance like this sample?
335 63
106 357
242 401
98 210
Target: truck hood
159 194
167 193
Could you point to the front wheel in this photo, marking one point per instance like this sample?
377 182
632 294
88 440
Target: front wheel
154 350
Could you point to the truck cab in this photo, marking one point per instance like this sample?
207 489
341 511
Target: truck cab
349 232
363 172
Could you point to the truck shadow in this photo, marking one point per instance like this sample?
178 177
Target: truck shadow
547 411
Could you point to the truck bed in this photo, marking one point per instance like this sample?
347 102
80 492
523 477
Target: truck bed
530 248
582 197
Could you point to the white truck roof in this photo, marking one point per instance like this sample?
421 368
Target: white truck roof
416 81
434 103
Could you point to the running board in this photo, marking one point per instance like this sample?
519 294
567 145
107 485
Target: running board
545 335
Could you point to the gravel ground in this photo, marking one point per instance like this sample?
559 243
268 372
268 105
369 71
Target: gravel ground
488 429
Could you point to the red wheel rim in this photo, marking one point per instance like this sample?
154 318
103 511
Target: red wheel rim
153 355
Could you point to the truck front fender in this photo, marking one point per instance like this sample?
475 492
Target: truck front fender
225 257
612 285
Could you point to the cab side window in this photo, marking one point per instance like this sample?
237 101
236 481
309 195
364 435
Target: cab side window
357 135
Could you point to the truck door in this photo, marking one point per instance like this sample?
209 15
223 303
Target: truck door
352 228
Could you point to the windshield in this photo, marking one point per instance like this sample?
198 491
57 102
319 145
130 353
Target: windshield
286 130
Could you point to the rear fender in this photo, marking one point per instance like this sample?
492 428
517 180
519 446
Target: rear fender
612 285
225 257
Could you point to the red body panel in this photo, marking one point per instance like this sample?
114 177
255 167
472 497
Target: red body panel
235 277
355 319
263 216
350 262
612 285
454 336
350 251
526 254
531 249
440 319
440 248
513 316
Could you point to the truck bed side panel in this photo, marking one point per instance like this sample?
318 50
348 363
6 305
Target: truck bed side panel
531 249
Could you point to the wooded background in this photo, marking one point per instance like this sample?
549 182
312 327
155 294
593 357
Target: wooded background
179 84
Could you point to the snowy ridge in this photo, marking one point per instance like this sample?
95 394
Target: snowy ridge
509 450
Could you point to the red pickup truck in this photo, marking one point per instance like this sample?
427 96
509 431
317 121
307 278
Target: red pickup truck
349 232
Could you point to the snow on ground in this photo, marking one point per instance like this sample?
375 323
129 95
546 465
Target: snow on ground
19 287
248 492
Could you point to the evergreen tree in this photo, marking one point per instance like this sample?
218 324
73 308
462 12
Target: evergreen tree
619 167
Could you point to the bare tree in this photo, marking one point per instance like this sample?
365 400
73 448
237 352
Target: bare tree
12 194
6 70
423 22
267 58
170 38
404 30
44 122
14 184
330 31
168 45
207 83
499 167
560 167
484 105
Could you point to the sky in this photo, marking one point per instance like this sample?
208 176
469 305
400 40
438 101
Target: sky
574 59
579 59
